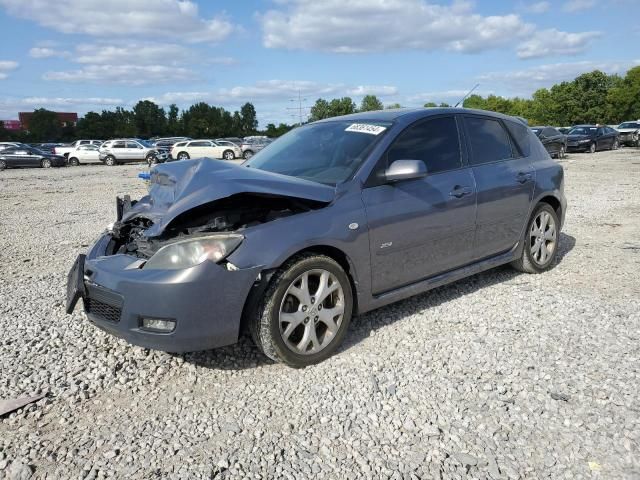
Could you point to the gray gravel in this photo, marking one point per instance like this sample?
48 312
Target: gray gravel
500 376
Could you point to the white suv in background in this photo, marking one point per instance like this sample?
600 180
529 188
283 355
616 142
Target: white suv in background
124 150
220 149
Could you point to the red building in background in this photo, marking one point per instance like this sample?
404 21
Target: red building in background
66 119
12 125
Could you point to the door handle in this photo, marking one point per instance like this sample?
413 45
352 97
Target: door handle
523 177
460 191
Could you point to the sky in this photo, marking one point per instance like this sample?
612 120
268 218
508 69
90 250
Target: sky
90 55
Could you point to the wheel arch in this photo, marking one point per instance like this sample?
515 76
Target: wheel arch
330 251
554 203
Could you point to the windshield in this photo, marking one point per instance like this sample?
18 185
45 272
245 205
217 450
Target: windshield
327 152
145 143
583 131
629 125
537 131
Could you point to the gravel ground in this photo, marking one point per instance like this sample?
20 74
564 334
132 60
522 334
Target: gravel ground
502 375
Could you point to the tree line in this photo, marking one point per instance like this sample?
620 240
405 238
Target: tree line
593 97
147 120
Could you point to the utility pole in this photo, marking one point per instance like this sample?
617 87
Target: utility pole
300 108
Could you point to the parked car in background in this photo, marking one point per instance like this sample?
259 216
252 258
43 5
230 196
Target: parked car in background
252 145
4 145
591 138
84 154
564 130
127 150
237 140
167 142
338 218
554 141
629 133
220 149
48 147
65 149
26 156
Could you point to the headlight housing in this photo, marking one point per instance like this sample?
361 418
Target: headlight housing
194 251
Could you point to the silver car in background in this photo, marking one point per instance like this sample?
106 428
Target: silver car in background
127 150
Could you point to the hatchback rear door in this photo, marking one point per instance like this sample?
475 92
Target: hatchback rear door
421 227
504 178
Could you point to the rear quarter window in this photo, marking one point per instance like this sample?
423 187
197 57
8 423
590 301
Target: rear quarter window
521 137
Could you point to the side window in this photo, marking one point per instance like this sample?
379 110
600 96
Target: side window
521 135
133 145
549 132
200 144
435 142
489 141
118 145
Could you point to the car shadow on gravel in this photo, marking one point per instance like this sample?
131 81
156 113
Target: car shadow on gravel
244 354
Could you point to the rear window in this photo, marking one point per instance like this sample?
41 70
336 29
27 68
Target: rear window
520 136
489 141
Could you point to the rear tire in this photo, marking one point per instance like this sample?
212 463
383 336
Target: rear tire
183 156
3 164
317 326
540 241
228 155
45 163
74 162
110 161
616 145
562 152
247 154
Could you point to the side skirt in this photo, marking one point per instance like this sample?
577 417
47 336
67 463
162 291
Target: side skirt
430 283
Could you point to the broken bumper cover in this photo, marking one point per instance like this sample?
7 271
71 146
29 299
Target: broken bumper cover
205 301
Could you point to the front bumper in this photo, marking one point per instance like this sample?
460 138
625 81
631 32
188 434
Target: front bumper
205 301
578 147
629 138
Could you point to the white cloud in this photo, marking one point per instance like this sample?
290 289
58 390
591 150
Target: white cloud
537 7
381 25
7 66
132 53
554 42
578 5
382 90
47 52
524 82
123 74
124 18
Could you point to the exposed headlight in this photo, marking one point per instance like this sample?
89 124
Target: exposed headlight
192 252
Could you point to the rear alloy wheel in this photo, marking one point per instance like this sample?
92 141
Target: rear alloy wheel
305 312
183 156
228 155
45 163
151 160
110 161
562 153
247 154
74 162
540 242
592 148
3 164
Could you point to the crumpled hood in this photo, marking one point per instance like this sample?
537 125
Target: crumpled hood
177 187
627 130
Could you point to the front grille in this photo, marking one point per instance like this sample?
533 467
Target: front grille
103 303
103 310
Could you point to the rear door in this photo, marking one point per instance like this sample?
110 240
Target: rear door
504 179
200 149
421 227
135 151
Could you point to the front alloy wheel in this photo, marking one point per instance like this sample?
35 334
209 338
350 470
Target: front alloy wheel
562 153
592 148
151 160
110 161
228 155
46 163
616 144
305 311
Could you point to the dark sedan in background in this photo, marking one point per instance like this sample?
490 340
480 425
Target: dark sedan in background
591 138
25 156
554 141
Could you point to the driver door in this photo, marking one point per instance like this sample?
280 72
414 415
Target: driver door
421 227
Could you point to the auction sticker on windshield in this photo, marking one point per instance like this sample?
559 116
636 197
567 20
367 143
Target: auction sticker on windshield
365 128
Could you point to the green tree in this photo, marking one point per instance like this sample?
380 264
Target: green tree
393 105
341 106
149 119
173 120
370 103
44 126
624 98
248 119
320 110
430 105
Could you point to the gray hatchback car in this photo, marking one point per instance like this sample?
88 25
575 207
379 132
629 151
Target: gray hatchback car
333 219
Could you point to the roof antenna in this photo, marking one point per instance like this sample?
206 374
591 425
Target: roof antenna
468 93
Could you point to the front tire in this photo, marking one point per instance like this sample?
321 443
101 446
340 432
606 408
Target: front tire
74 162
183 156
110 161
592 148
151 160
247 154
616 145
3 164
562 153
305 311
45 163
228 155
541 240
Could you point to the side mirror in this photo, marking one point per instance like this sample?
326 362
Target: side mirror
405 170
